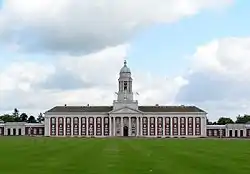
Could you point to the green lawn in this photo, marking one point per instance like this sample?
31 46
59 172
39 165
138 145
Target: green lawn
31 155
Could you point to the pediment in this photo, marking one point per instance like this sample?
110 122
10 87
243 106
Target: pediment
125 110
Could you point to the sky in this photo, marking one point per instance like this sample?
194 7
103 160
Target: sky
192 52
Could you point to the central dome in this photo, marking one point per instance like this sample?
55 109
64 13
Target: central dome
125 69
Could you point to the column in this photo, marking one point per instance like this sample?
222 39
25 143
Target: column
137 126
72 126
141 126
170 126
79 126
102 126
148 118
64 126
202 126
56 128
179 126
163 126
110 126
121 126
87 125
194 128
114 126
156 130
94 126
186 125
129 126
47 126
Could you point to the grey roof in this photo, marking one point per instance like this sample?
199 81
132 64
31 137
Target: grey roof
110 108
170 109
81 109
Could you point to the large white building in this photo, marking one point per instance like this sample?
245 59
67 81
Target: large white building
125 117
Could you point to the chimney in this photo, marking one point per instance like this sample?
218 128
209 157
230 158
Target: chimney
65 104
88 105
157 105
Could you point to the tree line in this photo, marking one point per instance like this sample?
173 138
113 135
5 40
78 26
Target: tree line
23 117
226 120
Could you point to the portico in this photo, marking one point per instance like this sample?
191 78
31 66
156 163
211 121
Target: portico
125 126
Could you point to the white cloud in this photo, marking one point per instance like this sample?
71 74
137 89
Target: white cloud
22 74
97 79
81 26
228 57
219 80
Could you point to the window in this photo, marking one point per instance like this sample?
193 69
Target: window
236 133
34 131
230 133
19 131
215 133
241 133
125 86
60 120
53 120
83 120
8 131
40 131
91 120
68 120
75 120
14 131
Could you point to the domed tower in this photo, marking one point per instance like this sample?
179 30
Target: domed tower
125 92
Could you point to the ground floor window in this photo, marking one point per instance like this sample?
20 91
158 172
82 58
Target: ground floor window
241 133
236 133
40 131
230 133
19 131
14 131
34 131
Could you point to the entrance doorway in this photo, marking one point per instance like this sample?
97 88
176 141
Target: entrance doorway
236 133
9 131
125 131
230 133
14 131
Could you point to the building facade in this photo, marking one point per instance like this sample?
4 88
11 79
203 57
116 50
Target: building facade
229 130
21 128
125 117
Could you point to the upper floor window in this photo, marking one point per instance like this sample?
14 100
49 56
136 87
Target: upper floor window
53 120
125 86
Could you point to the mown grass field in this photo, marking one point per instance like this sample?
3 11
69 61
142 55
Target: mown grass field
29 155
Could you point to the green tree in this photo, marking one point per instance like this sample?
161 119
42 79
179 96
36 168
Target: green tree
31 119
225 120
16 115
23 117
7 118
243 119
40 118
